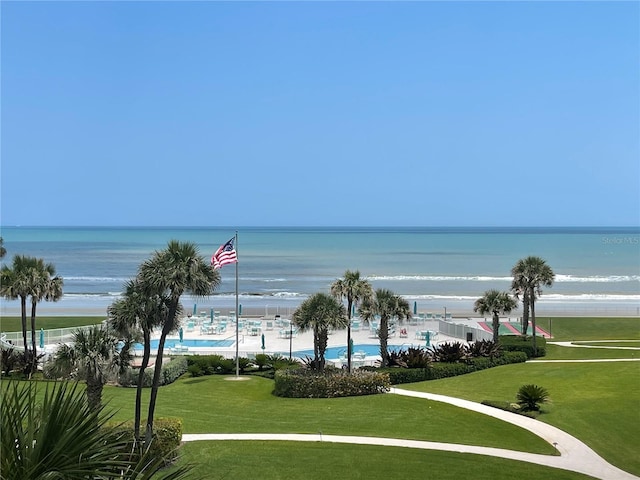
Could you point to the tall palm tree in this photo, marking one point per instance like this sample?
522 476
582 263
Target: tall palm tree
95 352
496 303
3 251
45 285
134 316
15 283
386 305
319 313
171 272
354 290
530 274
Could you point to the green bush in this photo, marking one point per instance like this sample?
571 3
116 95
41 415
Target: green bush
531 396
167 435
519 343
303 383
509 407
169 373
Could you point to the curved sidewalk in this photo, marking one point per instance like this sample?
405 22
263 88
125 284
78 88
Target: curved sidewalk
574 455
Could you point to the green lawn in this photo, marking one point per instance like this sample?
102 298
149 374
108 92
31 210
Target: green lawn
556 352
591 328
596 402
217 405
234 460
14 324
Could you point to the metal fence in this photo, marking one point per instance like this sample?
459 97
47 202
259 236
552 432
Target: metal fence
50 337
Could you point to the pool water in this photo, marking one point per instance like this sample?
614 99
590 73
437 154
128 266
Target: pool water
336 352
195 342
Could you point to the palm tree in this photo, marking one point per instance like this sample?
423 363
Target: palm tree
354 290
386 305
530 274
15 283
496 303
95 353
170 273
134 316
319 313
3 251
45 285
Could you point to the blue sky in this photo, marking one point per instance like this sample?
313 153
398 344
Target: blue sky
320 113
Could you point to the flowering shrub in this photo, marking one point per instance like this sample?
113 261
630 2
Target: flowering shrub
303 383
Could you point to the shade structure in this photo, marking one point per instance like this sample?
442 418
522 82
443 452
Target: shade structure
195 308
350 352
263 341
212 314
181 334
415 308
42 338
239 309
427 337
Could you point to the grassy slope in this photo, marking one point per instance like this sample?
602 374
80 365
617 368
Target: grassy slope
14 324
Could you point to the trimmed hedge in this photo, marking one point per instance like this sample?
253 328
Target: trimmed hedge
167 435
439 370
302 383
518 343
169 373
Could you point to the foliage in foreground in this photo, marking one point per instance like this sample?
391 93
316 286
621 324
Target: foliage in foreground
62 437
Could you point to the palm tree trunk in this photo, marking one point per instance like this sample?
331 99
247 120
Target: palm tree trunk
383 335
94 388
145 362
33 335
23 313
533 323
168 326
496 327
525 312
349 307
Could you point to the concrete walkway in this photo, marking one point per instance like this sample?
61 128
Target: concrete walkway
574 454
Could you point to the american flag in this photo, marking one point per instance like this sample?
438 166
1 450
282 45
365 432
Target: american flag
224 255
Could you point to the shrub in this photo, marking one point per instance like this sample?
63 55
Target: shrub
303 383
519 343
167 435
169 373
531 396
509 407
483 348
448 352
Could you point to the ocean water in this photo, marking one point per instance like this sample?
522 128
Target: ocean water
597 269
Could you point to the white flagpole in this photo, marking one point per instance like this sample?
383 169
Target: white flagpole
237 312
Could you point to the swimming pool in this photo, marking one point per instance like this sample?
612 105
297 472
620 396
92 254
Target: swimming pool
194 342
336 352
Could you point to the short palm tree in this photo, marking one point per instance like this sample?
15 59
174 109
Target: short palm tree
134 316
386 305
530 274
169 273
530 397
319 313
95 352
497 303
354 289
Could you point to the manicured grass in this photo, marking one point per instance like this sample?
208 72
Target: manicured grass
631 343
591 328
556 352
14 324
217 405
596 402
274 460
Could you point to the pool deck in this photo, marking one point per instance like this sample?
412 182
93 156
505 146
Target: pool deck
275 341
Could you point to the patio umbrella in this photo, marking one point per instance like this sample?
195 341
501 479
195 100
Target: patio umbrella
212 315
42 338
350 352
415 308
239 309
427 336
195 308
181 334
263 341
